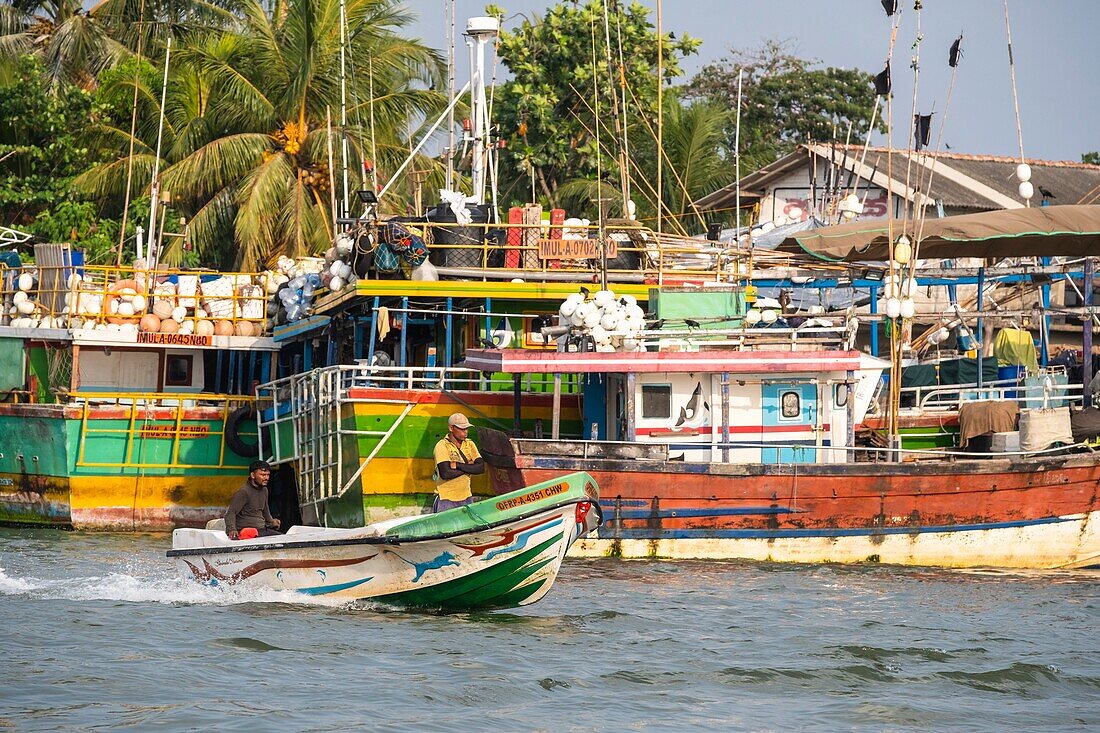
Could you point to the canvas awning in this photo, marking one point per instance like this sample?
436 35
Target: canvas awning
1041 231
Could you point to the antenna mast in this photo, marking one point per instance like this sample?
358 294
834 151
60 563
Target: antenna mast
480 32
450 98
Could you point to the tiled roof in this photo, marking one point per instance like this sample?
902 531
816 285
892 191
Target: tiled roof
959 180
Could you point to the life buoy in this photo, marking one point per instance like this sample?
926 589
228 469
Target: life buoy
125 291
233 433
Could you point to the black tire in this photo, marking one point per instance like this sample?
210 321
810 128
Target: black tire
233 435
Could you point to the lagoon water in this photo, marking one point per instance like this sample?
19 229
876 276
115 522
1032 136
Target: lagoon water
100 633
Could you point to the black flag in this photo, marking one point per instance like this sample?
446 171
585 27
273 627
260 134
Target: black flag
923 125
890 6
882 81
955 53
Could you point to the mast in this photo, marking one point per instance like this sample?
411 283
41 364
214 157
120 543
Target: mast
737 160
154 191
133 132
480 32
1027 190
620 125
450 97
660 122
344 103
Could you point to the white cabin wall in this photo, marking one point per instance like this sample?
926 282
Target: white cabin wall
702 417
837 412
114 370
701 423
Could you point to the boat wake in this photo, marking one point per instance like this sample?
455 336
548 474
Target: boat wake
138 587
11 586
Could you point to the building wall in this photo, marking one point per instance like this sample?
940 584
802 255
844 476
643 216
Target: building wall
796 191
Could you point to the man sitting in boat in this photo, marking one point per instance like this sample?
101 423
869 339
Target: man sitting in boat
456 459
248 515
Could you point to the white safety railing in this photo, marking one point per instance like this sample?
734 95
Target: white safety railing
1051 390
310 419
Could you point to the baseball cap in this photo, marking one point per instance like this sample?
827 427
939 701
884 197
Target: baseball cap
259 466
458 420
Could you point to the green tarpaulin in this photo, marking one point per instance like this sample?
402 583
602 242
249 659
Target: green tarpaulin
11 364
952 371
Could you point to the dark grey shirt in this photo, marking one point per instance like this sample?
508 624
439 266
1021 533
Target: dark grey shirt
248 508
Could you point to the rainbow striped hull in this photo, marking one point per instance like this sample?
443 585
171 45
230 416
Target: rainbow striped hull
398 480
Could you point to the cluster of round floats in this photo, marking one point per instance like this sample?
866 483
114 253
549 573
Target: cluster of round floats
229 305
613 323
26 309
297 281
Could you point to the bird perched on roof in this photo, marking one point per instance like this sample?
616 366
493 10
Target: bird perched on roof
1046 193
487 343
656 325
690 323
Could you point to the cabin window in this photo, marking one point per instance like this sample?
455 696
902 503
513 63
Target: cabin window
177 370
790 406
656 401
840 395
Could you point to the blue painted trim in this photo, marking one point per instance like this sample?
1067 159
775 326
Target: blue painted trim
324 589
298 328
768 534
609 512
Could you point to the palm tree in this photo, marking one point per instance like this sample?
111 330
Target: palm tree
246 143
73 45
693 167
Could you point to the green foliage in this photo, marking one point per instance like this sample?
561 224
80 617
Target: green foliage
44 132
785 100
560 73
245 150
693 167
72 44
39 142
78 223
1092 158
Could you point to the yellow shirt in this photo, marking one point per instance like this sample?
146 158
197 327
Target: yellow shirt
458 488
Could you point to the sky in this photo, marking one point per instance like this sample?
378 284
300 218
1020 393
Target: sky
1054 45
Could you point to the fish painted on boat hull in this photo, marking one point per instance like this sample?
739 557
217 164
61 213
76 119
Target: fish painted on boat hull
501 552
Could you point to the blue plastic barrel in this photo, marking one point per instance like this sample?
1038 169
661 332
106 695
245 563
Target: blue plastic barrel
1012 371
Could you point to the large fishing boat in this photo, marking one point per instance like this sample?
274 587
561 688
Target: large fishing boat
718 429
127 392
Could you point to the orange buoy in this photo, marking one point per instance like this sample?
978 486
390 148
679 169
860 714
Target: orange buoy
150 323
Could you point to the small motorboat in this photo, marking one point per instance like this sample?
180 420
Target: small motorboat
496 553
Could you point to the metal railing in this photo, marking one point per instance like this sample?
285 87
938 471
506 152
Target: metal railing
105 298
1051 391
185 420
314 412
628 252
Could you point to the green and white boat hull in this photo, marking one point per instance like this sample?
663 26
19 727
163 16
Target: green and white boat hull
497 553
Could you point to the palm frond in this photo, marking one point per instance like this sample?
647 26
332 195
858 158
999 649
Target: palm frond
261 199
210 229
108 180
217 164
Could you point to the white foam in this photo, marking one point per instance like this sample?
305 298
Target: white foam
12 586
177 590
155 588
